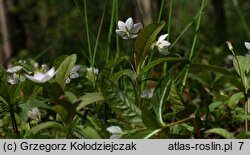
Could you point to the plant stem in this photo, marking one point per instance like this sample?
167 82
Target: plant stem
87 32
192 116
13 119
116 19
161 9
246 112
170 15
112 21
191 54
139 94
99 31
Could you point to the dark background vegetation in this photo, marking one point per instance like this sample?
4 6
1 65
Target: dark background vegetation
45 29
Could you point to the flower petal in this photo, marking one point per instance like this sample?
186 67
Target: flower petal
133 36
114 129
51 72
46 78
165 43
67 80
75 69
14 69
121 26
136 28
74 76
163 50
129 24
247 45
125 37
121 33
162 37
32 78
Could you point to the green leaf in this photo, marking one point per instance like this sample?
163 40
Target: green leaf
46 125
127 72
242 66
87 132
235 99
71 96
175 99
160 96
88 99
149 119
145 39
119 102
222 132
161 60
243 135
213 106
62 112
3 101
58 61
64 69
229 76
242 117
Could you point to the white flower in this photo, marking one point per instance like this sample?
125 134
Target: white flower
162 44
14 69
34 114
147 93
128 29
41 77
247 45
91 70
116 132
73 74
15 79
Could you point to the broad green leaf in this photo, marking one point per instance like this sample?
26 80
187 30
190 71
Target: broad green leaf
242 117
87 132
145 39
160 97
229 76
38 103
46 125
175 99
222 132
181 129
149 119
62 112
161 60
127 72
243 135
71 96
57 95
242 66
235 99
88 99
213 106
23 112
3 101
58 61
64 70
119 102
